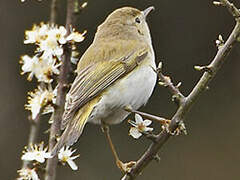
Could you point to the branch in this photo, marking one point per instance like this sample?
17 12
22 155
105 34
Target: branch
165 81
53 12
63 81
33 133
35 123
231 8
197 91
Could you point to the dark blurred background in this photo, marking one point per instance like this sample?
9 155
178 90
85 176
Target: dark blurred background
184 34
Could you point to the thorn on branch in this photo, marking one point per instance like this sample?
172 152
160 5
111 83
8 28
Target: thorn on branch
207 88
178 85
182 128
160 65
84 5
232 9
66 85
238 39
79 7
46 131
219 42
204 68
57 137
176 98
157 158
217 3
166 81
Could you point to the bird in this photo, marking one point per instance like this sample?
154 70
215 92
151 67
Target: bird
116 71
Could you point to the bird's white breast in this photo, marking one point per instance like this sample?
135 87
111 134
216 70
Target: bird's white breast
134 89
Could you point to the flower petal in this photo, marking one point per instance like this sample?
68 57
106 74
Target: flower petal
138 119
74 157
48 155
148 129
133 123
34 175
58 51
28 156
35 110
135 133
62 40
27 174
72 164
147 122
40 158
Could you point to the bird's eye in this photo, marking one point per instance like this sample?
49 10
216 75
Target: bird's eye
137 20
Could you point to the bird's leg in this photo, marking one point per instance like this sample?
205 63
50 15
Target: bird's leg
124 167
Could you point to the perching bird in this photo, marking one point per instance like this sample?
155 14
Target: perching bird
115 71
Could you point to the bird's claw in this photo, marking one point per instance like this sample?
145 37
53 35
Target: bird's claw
125 167
181 129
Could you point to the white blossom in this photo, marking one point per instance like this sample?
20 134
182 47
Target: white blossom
42 68
29 65
36 34
49 108
61 32
52 45
64 156
40 98
139 126
49 40
37 153
219 42
76 36
46 68
27 174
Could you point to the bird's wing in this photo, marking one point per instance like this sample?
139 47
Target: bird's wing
95 77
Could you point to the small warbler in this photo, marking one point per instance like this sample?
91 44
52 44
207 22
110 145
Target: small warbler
115 71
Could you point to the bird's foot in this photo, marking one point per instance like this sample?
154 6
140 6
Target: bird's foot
125 167
181 128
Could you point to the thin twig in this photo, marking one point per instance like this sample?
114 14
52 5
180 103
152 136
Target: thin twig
232 9
60 101
165 81
184 108
148 116
34 128
53 12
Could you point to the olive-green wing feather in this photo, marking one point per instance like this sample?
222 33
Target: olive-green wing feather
94 78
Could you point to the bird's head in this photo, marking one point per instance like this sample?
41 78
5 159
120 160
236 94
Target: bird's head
126 23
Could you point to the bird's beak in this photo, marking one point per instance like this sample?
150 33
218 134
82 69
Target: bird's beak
147 11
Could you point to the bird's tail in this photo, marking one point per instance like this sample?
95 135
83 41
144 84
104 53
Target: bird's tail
75 127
